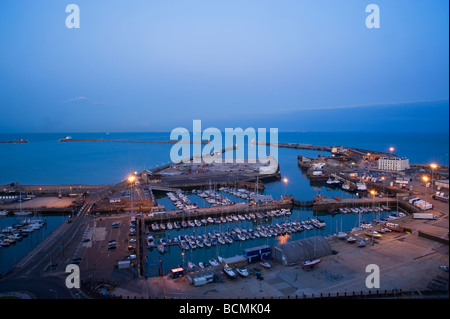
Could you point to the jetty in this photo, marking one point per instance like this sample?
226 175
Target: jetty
218 211
324 203
21 141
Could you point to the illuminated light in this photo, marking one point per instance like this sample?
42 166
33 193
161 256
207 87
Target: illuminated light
285 180
131 178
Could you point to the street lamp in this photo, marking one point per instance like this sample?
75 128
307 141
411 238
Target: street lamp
373 193
285 180
433 167
425 179
131 179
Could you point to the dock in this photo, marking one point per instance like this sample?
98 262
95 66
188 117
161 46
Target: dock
14 142
323 203
219 211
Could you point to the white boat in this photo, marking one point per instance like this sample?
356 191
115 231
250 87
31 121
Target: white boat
341 235
229 272
362 243
191 266
333 181
213 262
3 213
311 263
361 187
265 264
242 271
169 225
346 186
351 239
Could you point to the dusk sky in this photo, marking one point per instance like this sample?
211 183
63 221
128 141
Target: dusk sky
154 65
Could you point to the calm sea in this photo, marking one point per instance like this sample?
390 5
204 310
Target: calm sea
44 160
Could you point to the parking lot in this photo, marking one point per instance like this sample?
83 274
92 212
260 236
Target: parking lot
100 244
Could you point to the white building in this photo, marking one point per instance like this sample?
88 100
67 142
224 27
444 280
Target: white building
393 163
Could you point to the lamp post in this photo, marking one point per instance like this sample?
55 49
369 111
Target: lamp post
285 180
131 179
373 193
433 167
425 179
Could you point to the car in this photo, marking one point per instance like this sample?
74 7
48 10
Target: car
131 257
132 240
132 234
131 248
69 221
112 241
86 240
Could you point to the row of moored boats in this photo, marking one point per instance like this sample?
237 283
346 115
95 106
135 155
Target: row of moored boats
219 220
236 234
16 232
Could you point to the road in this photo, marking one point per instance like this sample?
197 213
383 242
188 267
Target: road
29 273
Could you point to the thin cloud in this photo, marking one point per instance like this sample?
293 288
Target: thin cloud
339 107
84 99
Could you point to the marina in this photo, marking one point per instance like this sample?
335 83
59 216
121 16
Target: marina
166 222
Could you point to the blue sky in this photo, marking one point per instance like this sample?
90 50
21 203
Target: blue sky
153 65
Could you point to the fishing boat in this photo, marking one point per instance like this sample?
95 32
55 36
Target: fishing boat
265 264
155 226
346 186
229 272
169 225
311 263
361 186
395 227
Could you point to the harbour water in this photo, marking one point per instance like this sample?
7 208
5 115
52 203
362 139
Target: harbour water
44 160
10 255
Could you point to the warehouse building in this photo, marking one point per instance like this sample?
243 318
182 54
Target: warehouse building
299 251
